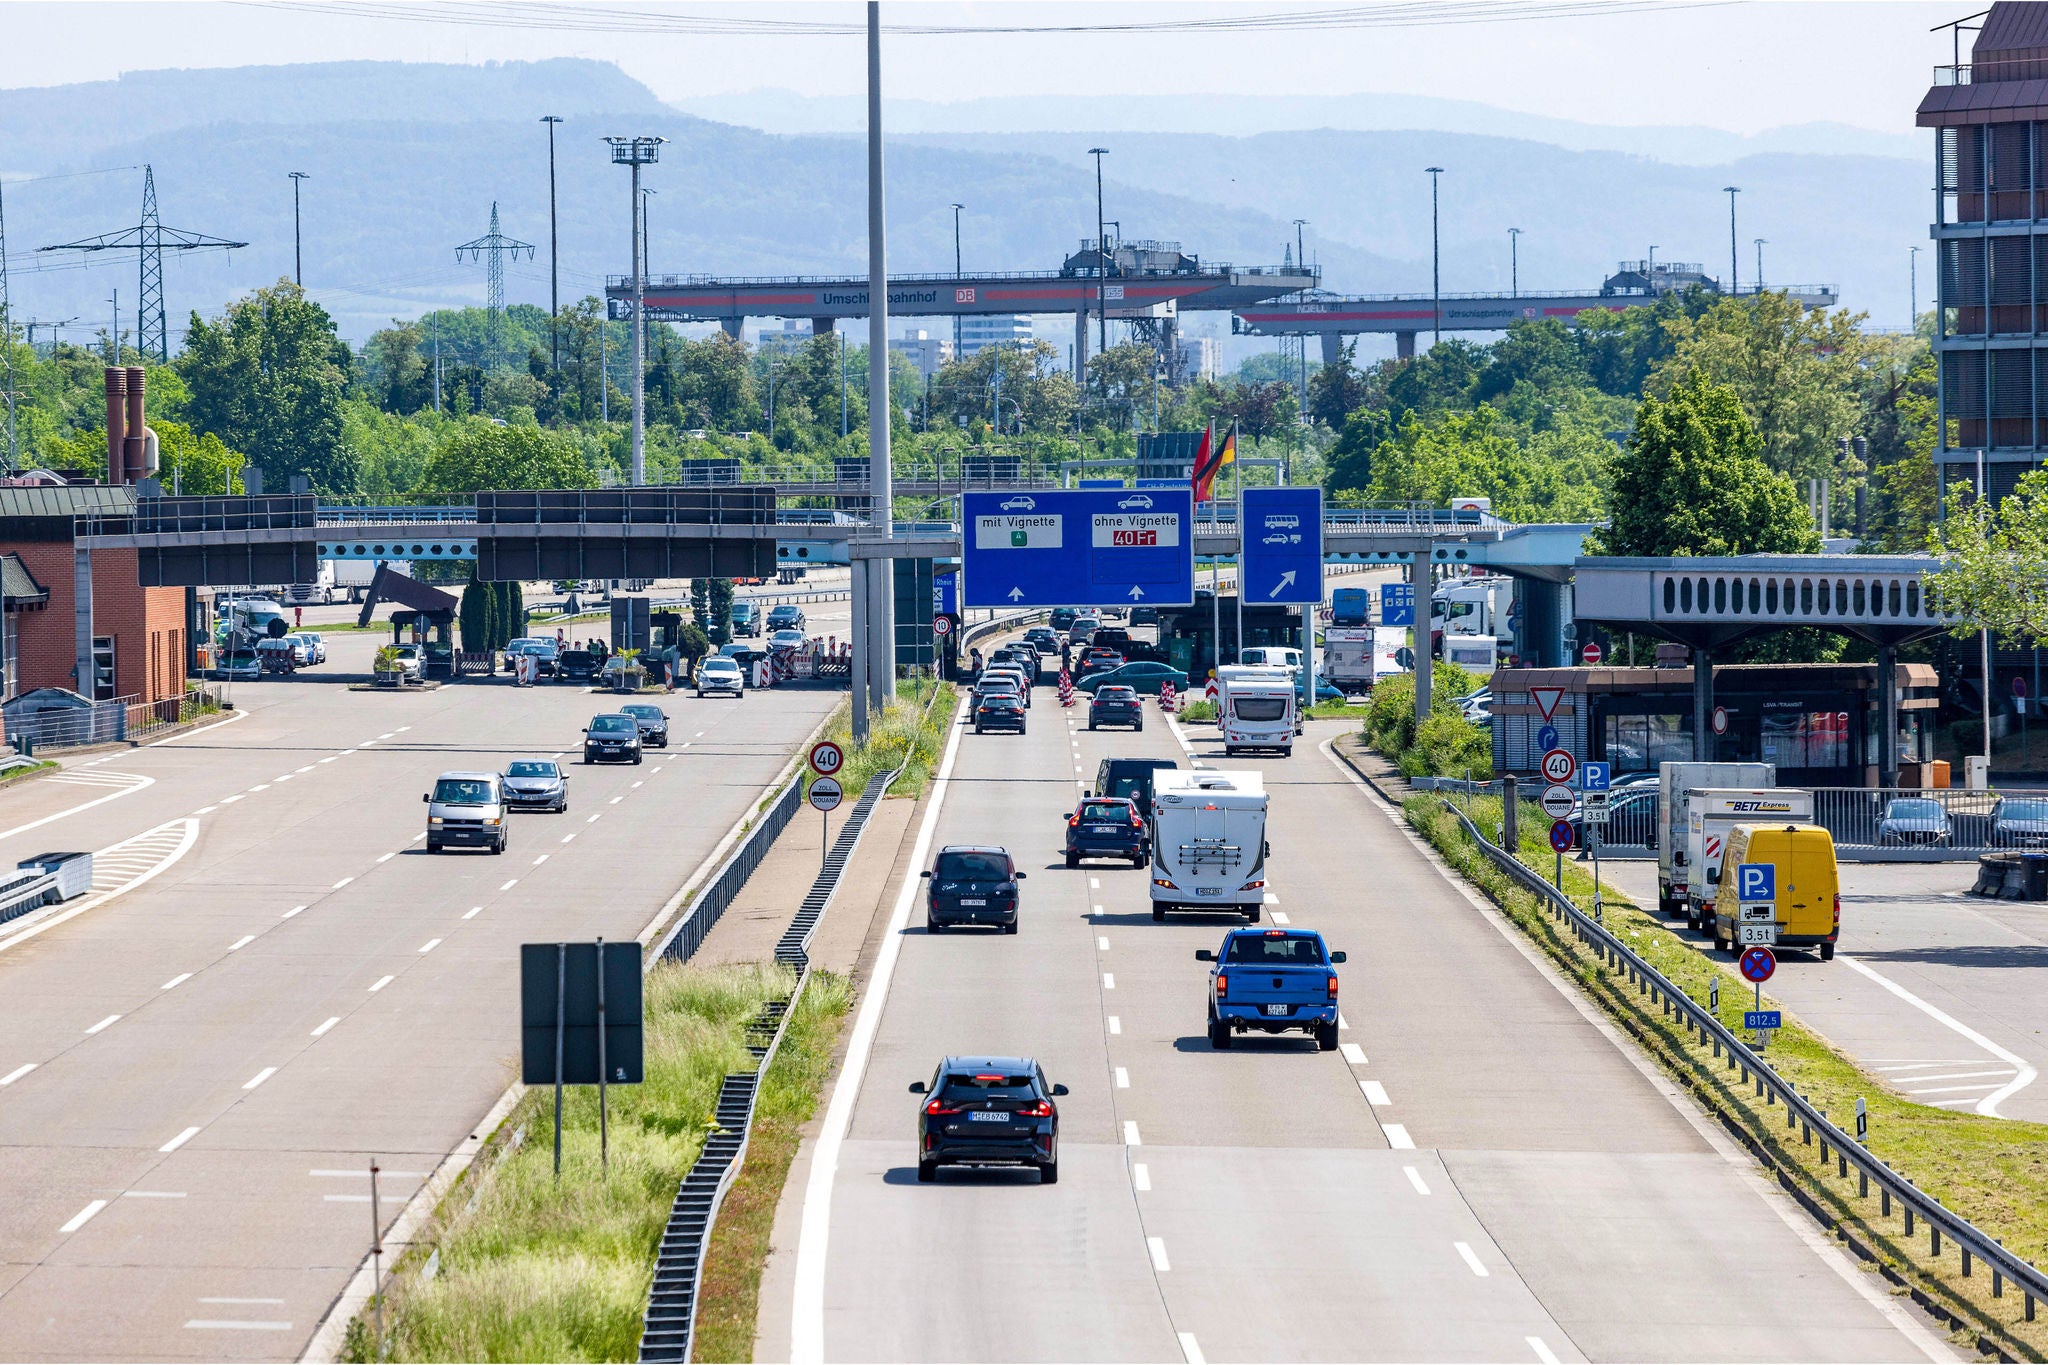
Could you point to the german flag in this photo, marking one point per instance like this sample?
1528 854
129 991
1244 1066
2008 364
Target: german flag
1228 455
1206 465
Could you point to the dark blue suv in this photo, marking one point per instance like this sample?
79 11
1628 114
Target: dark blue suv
971 884
988 1111
1106 827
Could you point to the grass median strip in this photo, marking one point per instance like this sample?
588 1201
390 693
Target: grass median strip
1993 1172
527 1268
915 727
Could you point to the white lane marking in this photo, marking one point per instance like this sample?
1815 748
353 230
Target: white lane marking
642 784
1280 917
260 787
103 1023
1415 1179
1375 1094
1342 1022
1116 1025
401 729
364 745
381 983
541 859
285 778
180 1140
1109 981
1095 910
1471 1259
1095 883
472 912
326 1026
593 818
1354 1055
1988 1106
293 911
242 1301
417 837
180 979
807 1318
206 810
388 734
308 768
1101 944
509 885
259 1078
1141 1176
1922 1066
346 1198
430 945
242 942
153 1194
1157 1246
1397 1137
83 1216
235 1325
1952 1089
1953 1076
386 857
1543 1352
1190 1350
1131 1138
343 882
1272 899
330 1174
230 800
615 800
11 1077
1123 1079
331 757
137 781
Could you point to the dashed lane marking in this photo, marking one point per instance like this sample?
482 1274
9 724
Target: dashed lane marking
1397 1137
1353 1053
180 979
11 1077
241 943
1415 1179
430 945
1157 1246
1189 1350
103 1023
259 1078
1123 1079
1131 1134
326 1026
1471 1258
83 1216
1375 1094
381 983
180 1140
1543 1353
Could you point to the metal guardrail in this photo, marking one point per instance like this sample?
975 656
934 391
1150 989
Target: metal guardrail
687 934
1974 1243
24 890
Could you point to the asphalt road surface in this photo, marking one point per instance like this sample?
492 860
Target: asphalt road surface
1480 1173
1942 994
196 1073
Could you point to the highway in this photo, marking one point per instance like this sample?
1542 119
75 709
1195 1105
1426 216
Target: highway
196 1073
1482 1172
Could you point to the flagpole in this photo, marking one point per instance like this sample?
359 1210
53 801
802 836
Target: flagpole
1230 443
1215 571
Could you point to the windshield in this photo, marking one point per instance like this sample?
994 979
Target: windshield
604 725
531 768
1105 810
971 867
1276 950
987 1085
720 664
2023 810
1914 810
462 791
576 657
644 712
1259 708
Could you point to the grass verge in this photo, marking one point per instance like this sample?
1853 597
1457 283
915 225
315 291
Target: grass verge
729 1297
530 1268
1993 1172
916 727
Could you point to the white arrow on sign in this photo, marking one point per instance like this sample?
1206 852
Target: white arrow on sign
1016 594
1286 581
1136 592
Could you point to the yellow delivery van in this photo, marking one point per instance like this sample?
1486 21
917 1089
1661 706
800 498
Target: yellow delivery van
1809 900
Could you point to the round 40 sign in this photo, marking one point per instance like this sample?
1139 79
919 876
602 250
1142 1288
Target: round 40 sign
1558 765
827 758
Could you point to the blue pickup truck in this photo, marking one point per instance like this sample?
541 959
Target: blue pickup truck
1272 981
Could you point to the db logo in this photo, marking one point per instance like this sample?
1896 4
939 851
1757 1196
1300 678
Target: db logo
963 295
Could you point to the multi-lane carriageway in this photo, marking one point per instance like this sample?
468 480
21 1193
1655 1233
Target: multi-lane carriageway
196 1073
1484 1171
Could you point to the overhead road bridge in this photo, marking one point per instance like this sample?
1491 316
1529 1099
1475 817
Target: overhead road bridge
1336 317
1147 282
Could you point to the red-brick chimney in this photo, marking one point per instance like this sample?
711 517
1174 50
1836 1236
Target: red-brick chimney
117 424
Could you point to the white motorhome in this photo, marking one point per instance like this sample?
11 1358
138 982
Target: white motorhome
1255 707
1675 873
1208 842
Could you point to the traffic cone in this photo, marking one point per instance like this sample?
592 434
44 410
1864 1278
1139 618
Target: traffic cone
1066 688
1166 697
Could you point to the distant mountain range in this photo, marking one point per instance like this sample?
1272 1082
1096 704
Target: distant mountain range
406 160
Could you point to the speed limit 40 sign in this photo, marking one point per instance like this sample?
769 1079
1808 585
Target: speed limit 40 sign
1558 766
827 758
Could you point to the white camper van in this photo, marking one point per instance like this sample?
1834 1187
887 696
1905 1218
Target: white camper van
1208 842
1255 708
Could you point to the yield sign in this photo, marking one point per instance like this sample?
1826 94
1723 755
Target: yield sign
1546 699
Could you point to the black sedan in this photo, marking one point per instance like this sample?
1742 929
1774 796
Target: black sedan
653 723
788 616
999 709
536 784
576 666
988 1111
1106 827
1116 706
971 884
612 739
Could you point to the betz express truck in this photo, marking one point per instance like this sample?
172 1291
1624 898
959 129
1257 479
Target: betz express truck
1674 867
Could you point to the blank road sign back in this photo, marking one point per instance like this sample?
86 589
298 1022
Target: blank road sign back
540 967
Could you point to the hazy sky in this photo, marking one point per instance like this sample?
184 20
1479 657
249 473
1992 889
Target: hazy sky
1742 67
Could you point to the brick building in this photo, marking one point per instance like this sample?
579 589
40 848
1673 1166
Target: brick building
137 634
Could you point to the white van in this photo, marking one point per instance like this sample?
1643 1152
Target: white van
1255 707
1208 842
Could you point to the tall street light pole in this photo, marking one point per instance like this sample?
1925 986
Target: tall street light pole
956 276
1301 264
1760 244
1514 263
1436 291
298 261
1734 281
881 613
554 261
635 152
1101 257
1913 282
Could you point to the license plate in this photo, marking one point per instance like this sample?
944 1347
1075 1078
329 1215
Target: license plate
1102 829
1208 891
1276 1009
970 900
989 1116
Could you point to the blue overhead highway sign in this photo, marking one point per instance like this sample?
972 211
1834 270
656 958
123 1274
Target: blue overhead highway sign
1075 548
1282 549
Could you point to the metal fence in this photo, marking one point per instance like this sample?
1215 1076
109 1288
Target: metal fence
1836 1146
116 721
687 934
1881 824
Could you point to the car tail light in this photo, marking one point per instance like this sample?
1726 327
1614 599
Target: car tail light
1074 819
1222 985
1042 1109
1136 823
1333 987
1838 910
1161 881
934 1107
1258 885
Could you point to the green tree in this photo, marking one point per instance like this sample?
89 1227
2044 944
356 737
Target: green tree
718 597
1693 481
1994 561
1552 476
479 455
267 379
1336 391
477 615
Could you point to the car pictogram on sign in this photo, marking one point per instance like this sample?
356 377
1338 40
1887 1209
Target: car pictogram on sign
1020 505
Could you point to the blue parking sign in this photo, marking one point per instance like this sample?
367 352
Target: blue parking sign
1756 882
1593 777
